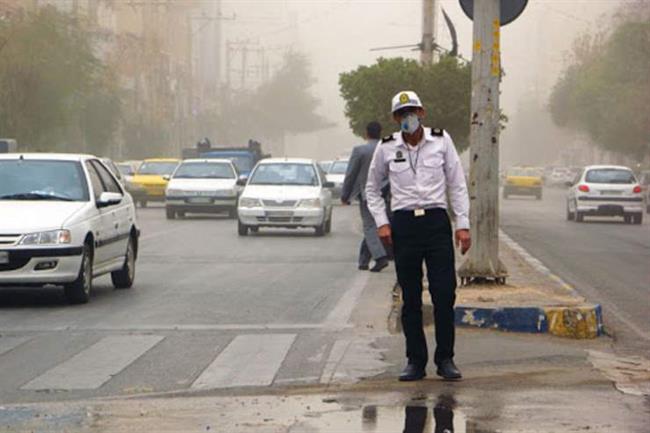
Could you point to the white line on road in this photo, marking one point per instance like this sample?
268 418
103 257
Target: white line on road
187 327
9 343
249 360
340 315
336 356
96 365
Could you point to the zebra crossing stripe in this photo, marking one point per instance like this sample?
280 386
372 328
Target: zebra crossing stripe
9 343
249 360
96 365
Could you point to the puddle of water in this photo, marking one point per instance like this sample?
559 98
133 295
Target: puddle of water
440 416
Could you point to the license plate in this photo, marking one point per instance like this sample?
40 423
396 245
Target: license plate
200 200
279 213
611 192
4 258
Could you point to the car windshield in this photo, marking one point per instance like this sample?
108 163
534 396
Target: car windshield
519 171
125 169
158 168
42 180
243 162
610 175
338 167
204 170
285 174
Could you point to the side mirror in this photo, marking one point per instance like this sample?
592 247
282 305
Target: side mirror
109 199
329 185
167 177
241 181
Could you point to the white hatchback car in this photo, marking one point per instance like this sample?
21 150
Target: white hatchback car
64 219
336 175
286 192
202 186
606 190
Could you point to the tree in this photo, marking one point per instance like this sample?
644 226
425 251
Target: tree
55 94
605 91
283 105
443 87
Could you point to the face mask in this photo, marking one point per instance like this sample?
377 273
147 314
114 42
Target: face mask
410 123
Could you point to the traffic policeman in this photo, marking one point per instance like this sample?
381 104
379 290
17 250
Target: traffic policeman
426 178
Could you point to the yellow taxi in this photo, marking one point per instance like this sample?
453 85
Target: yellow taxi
150 180
523 181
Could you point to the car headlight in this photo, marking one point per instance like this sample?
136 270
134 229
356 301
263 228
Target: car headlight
310 203
249 202
225 193
53 237
174 192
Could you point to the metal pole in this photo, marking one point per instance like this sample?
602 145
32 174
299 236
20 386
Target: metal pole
483 264
426 53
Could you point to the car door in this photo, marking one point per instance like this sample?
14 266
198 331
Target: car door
103 223
119 213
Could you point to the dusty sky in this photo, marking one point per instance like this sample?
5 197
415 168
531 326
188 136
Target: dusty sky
338 36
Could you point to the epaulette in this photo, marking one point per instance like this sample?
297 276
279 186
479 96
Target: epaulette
437 132
387 139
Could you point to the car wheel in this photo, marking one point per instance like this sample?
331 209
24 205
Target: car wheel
124 278
242 229
570 216
647 209
638 218
254 229
232 213
78 292
328 225
143 203
181 214
171 214
627 219
580 217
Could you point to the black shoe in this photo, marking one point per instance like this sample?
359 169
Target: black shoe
379 265
411 373
448 370
363 267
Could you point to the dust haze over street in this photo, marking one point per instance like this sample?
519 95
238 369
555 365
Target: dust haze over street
185 186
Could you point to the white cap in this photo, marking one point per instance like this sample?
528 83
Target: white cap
406 98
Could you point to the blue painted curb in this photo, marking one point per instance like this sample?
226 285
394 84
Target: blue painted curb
572 322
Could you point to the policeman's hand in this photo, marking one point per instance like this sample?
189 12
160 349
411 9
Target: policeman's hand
463 240
385 234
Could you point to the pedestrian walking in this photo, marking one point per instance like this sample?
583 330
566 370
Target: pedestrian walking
423 169
354 187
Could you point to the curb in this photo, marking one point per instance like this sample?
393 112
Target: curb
582 322
578 322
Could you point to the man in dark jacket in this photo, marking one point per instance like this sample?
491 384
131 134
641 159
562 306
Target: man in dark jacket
354 187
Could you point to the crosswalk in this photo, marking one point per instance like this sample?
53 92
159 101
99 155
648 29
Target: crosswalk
240 360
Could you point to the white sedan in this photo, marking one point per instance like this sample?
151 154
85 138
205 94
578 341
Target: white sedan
202 186
286 192
336 175
606 190
64 220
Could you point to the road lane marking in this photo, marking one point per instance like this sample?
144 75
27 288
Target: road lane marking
249 360
8 344
186 327
341 313
336 356
96 365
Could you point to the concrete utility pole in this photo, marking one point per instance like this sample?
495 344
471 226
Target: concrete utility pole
428 14
483 264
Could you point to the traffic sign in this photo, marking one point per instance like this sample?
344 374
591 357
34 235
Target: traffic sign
510 9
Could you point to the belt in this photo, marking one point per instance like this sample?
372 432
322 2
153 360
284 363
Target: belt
427 211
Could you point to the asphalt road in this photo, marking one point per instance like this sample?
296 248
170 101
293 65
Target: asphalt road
604 259
203 297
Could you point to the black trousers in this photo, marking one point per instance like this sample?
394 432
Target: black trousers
417 240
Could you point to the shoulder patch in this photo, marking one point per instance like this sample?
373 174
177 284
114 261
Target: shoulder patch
437 132
387 139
